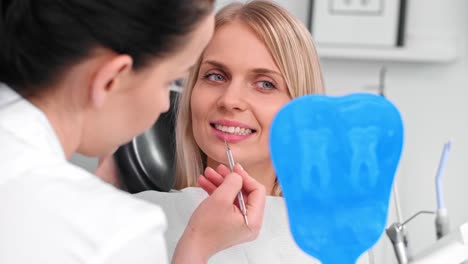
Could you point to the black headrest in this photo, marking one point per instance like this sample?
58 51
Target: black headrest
148 161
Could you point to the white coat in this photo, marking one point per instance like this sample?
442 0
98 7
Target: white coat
54 212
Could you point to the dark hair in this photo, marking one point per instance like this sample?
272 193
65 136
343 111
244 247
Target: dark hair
39 39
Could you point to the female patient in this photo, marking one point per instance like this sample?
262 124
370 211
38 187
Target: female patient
260 57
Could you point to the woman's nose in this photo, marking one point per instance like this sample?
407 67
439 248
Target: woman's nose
233 97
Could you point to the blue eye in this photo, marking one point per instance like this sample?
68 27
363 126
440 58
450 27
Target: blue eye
214 77
266 85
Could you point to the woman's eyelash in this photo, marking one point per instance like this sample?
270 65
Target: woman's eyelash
219 77
271 84
209 75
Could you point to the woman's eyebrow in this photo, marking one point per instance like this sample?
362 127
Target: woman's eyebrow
267 71
256 70
216 64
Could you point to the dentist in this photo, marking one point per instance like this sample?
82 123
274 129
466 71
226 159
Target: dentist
86 76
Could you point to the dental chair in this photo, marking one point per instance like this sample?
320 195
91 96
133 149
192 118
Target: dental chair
148 161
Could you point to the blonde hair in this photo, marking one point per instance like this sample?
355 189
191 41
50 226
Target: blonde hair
291 46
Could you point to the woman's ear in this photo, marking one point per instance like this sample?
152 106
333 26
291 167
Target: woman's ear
108 79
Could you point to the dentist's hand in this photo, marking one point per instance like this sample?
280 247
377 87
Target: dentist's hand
212 179
218 223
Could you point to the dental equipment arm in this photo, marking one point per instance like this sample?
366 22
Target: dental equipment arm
442 221
397 235
451 249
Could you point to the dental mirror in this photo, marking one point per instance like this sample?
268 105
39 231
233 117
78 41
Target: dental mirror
336 158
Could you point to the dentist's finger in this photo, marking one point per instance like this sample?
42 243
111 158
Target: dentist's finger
223 170
227 192
206 185
249 183
213 176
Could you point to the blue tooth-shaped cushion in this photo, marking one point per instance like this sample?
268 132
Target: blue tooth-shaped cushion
335 158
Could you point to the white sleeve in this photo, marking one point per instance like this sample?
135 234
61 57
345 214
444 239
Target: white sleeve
147 248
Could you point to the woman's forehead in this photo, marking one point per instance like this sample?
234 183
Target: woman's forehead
235 44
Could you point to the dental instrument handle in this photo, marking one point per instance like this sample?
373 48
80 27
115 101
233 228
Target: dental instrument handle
240 196
240 199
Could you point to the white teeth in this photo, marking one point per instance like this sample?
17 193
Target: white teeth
234 130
